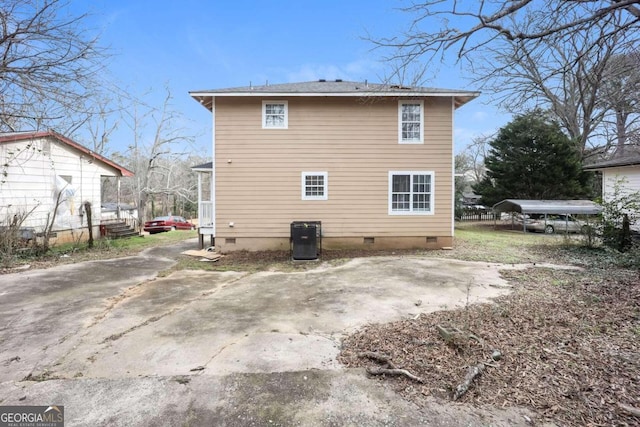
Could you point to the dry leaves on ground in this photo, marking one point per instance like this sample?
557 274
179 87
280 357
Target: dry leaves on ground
570 344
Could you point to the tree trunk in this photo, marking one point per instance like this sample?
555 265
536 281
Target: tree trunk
87 209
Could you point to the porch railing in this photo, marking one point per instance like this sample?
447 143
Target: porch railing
205 214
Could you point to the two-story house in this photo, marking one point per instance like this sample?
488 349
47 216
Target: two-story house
372 162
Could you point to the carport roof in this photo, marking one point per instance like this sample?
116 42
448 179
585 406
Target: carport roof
585 207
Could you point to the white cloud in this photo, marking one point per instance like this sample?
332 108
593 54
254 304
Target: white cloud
479 116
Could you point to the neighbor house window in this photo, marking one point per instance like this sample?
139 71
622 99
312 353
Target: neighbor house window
275 115
314 186
410 193
411 122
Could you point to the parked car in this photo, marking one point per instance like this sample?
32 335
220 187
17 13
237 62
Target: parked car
553 223
167 223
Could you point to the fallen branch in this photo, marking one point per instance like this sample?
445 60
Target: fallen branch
373 370
472 373
630 409
389 369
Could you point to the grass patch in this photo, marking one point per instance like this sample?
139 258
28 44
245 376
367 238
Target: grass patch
102 249
483 242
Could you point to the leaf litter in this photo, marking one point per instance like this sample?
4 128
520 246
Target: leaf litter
569 344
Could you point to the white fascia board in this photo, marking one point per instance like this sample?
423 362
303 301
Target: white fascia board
336 94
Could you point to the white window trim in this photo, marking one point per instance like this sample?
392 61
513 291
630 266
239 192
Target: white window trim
411 211
286 114
400 140
326 185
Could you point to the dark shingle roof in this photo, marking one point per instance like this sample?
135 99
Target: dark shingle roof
330 87
336 88
616 162
204 166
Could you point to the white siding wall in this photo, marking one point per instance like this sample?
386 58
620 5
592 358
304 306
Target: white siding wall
30 183
628 176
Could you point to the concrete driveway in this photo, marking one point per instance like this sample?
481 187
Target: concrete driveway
116 345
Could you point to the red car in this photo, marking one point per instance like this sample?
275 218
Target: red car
167 223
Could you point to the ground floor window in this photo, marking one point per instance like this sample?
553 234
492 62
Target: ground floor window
410 193
314 186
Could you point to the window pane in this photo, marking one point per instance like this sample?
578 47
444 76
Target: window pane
421 202
275 108
411 131
421 184
401 184
314 185
411 112
400 202
275 121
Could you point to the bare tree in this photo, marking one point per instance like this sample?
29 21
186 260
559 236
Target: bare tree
469 26
159 142
562 77
49 63
550 54
620 98
476 152
104 118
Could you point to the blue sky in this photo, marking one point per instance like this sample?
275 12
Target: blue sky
194 45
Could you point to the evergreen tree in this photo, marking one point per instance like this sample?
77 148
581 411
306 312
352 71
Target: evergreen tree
531 158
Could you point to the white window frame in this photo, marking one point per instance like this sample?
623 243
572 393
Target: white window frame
285 125
420 140
411 210
325 195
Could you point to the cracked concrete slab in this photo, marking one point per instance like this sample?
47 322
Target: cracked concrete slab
308 398
112 331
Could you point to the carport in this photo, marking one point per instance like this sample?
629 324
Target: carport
547 207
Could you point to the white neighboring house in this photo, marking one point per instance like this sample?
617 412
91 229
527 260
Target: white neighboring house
39 170
624 170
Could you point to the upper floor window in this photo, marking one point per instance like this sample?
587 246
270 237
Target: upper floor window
314 186
410 193
275 114
411 122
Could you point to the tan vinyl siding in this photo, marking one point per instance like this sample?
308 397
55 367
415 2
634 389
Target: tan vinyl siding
258 171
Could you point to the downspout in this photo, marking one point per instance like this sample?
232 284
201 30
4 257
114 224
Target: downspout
453 169
213 165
